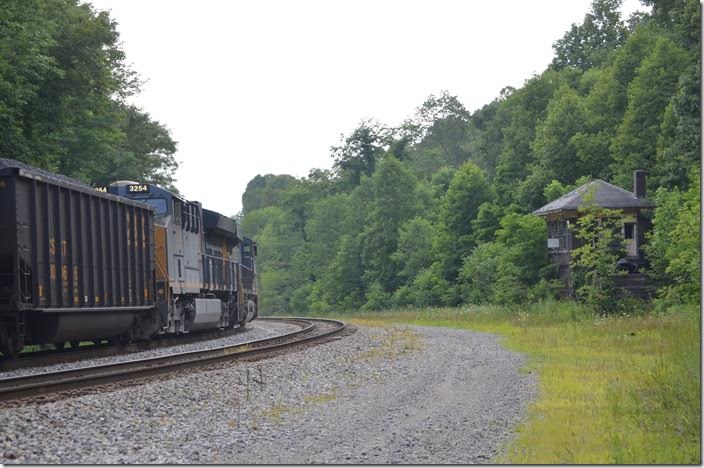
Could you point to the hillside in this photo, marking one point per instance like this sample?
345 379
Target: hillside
436 211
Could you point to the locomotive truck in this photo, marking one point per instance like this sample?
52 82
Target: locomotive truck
124 262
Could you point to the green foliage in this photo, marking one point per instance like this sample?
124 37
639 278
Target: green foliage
484 138
487 222
344 289
679 142
264 191
674 247
480 272
391 207
358 153
503 271
414 241
553 144
524 238
648 96
468 190
376 298
63 84
594 262
439 126
441 179
427 289
554 190
325 226
520 113
588 44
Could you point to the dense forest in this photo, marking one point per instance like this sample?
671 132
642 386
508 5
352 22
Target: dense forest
436 211
64 85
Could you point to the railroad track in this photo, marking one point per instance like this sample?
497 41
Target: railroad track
62 356
15 388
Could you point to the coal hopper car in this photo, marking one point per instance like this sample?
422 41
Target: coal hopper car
75 264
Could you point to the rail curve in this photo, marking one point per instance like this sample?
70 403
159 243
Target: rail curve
15 388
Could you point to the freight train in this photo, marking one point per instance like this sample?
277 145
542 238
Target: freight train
125 262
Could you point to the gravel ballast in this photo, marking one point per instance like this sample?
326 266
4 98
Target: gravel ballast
257 330
400 395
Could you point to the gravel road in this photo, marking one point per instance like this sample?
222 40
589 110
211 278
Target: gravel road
400 395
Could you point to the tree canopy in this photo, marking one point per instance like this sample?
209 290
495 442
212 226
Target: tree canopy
64 82
436 210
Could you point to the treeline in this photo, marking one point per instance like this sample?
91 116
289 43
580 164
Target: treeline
64 86
437 210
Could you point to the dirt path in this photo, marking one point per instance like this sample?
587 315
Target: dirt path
453 402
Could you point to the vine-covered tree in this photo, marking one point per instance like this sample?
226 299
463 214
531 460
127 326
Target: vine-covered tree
594 261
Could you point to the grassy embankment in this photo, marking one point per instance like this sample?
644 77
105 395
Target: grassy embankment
612 389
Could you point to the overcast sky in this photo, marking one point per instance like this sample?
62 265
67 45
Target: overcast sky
257 87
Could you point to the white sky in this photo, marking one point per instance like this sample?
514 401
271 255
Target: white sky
256 87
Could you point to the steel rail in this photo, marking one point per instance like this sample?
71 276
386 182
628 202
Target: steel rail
43 358
73 379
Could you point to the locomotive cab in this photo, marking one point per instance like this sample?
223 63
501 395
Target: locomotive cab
197 262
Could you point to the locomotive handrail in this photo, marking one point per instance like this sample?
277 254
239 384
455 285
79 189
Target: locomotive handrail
220 258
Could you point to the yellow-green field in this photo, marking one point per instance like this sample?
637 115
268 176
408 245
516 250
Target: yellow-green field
612 389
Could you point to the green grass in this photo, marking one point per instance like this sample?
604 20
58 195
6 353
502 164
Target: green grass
622 389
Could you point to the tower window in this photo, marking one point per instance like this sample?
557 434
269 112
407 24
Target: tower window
629 230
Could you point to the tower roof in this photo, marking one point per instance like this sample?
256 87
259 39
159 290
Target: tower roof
605 195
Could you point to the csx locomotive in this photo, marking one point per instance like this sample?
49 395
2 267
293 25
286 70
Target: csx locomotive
125 262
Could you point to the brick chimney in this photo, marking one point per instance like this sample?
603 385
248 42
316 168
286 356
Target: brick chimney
639 183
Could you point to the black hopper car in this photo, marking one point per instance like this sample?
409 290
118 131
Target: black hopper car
125 262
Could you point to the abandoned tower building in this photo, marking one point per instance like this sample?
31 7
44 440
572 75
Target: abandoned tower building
562 214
